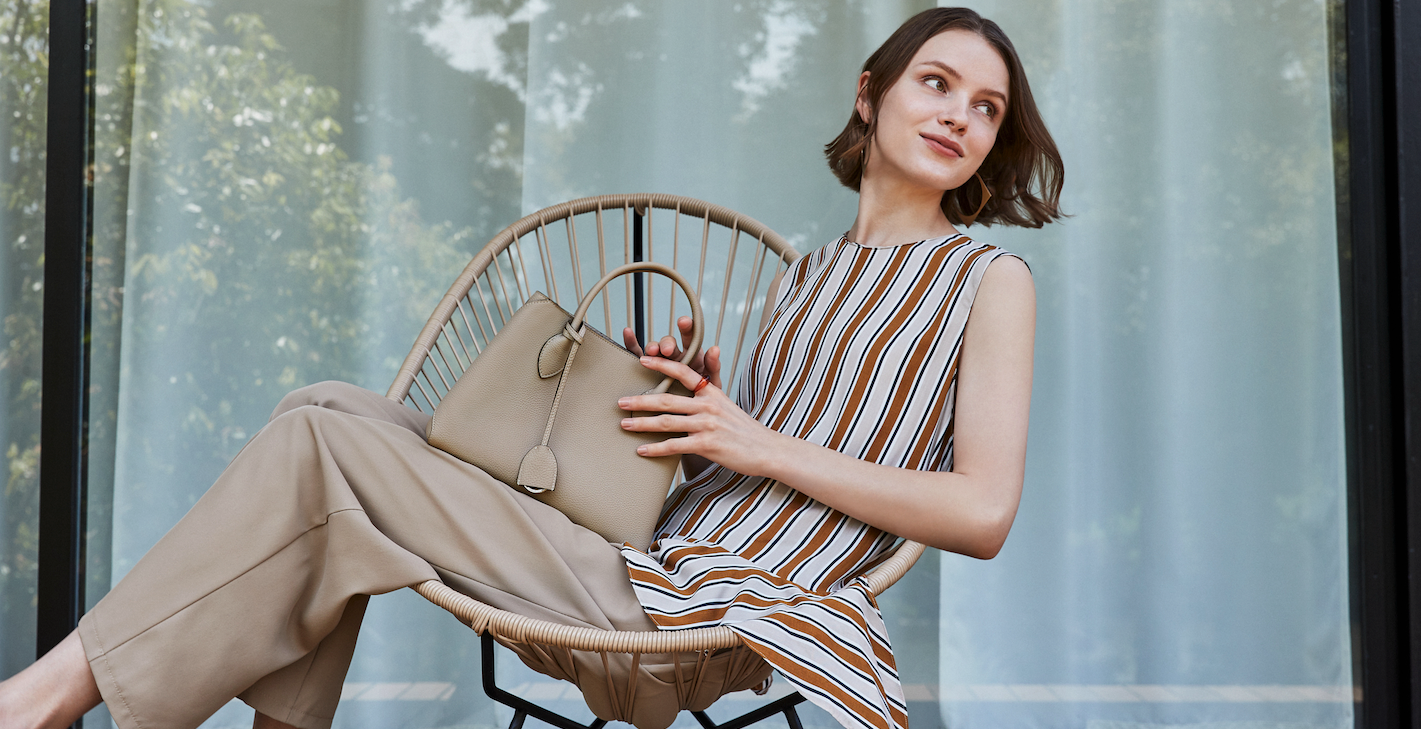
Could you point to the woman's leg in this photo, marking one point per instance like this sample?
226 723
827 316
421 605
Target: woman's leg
53 692
256 575
518 574
258 590
347 398
60 687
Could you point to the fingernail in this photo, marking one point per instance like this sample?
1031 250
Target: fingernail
626 422
641 449
624 402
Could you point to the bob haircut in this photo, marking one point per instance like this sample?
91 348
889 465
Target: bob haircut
1024 171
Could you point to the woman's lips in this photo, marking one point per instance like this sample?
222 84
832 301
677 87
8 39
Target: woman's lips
944 146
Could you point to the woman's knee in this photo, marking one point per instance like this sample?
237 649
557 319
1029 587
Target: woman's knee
328 394
353 400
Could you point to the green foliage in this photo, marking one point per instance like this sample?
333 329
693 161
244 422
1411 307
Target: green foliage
260 254
233 238
24 63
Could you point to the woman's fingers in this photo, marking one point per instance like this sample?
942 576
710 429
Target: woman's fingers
683 373
667 347
664 347
687 327
664 423
710 365
668 447
633 346
662 403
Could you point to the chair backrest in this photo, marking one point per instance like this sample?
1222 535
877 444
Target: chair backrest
563 249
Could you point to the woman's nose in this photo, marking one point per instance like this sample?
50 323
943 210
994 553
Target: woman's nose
953 114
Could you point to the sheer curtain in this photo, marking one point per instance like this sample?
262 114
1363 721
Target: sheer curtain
23 98
283 190
1183 532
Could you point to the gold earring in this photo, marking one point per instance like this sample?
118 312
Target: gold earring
986 195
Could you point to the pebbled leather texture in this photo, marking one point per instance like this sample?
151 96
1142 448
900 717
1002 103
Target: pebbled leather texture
553 355
498 410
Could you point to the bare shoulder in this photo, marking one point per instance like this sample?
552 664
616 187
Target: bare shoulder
1008 273
1006 291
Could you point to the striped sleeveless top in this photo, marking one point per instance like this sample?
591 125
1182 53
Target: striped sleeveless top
860 355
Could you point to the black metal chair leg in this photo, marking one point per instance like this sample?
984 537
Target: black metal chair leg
792 716
522 708
783 705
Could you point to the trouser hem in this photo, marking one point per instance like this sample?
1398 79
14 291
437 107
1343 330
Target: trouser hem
294 717
109 689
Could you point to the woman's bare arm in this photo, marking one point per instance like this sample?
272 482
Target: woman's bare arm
969 510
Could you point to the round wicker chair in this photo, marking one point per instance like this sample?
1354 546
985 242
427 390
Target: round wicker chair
559 250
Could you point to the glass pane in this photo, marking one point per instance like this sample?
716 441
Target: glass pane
1180 552
285 189
22 136
1180 555
283 192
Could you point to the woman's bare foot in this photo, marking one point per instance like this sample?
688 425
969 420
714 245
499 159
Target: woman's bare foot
53 692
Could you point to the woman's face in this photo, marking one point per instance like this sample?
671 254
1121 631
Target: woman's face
939 120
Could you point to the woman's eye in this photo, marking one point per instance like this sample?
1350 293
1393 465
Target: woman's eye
936 84
987 109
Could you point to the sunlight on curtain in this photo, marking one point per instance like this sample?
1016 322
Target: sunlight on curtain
284 190
1180 555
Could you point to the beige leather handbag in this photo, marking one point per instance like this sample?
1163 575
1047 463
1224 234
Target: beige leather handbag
537 409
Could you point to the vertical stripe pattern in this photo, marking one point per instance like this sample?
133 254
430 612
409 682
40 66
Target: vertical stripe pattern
860 355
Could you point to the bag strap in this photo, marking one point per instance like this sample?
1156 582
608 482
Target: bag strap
574 328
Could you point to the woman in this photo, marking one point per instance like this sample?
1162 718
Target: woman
871 406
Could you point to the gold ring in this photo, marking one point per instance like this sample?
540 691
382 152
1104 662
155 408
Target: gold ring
699 385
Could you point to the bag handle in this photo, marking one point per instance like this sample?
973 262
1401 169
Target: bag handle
538 471
552 360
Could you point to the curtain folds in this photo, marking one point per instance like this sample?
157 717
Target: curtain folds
284 190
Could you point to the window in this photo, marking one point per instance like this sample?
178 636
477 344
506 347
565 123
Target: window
282 191
22 189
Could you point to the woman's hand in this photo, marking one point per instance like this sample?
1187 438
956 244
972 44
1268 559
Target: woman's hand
714 426
706 362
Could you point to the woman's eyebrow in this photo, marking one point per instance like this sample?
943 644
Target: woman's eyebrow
950 71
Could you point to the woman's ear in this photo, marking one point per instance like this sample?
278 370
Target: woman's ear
861 105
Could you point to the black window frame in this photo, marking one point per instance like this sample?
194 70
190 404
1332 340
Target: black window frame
68 234
1379 237
1379 233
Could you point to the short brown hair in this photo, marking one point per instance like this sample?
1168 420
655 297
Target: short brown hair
1023 170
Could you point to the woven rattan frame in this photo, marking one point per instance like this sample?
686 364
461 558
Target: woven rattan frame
472 309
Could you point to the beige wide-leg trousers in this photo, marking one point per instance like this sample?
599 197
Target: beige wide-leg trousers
258 592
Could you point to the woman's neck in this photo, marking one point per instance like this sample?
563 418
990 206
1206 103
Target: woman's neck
891 214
